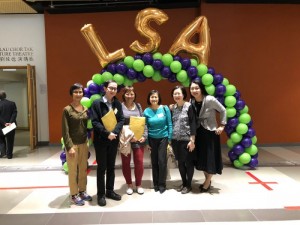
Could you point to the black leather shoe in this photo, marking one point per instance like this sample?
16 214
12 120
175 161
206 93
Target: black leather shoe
156 189
102 201
186 190
162 189
113 195
202 190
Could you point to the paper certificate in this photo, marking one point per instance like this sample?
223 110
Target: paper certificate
137 125
9 128
109 120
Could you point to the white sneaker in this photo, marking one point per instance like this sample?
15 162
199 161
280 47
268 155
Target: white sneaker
129 191
140 190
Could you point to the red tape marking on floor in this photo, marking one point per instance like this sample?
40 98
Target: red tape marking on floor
292 207
33 187
89 170
258 181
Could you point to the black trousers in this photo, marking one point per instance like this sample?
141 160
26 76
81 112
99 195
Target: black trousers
7 144
159 160
106 153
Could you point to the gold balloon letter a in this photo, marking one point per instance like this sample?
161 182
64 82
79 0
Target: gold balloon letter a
98 47
142 24
183 40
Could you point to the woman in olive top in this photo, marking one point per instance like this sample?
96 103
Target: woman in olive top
159 124
74 131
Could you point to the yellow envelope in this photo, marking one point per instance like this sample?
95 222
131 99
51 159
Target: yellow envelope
137 125
109 120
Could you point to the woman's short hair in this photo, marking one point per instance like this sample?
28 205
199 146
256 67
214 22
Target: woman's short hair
200 85
106 83
151 93
183 91
74 87
127 89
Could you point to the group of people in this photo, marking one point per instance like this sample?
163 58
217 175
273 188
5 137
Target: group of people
190 127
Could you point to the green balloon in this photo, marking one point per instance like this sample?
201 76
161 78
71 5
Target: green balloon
252 150
97 79
202 69
107 76
138 65
229 143
65 167
254 140
244 158
118 78
128 60
210 89
157 55
225 81
236 137
244 110
127 82
237 163
175 66
230 90
148 71
186 83
194 62
207 79
167 59
182 76
242 128
94 97
89 124
157 76
244 118
85 101
230 112
230 101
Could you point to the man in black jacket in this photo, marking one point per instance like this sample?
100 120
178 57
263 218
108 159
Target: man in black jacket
8 115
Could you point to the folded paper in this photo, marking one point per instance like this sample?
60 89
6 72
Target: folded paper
137 125
109 120
9 128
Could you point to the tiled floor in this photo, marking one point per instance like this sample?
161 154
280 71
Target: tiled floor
34 190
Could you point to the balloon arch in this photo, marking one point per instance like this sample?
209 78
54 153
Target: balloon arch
149 63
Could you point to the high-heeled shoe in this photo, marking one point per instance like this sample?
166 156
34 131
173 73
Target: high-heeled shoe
201 185
202 190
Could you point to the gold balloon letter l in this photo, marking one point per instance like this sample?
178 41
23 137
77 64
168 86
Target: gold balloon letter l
142 24
98 47
183 40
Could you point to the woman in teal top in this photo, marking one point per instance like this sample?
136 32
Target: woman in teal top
159 124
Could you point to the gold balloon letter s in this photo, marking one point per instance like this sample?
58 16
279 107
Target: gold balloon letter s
142 24
98 47
183 40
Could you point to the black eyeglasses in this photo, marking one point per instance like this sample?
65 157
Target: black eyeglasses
112 88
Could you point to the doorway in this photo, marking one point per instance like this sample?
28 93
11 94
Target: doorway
19 84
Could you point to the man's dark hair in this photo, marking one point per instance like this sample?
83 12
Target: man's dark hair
2 95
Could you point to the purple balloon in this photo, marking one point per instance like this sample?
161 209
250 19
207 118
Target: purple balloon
240 104
211 70
232 156
186 63
94 88
140 77
246 142
192 72
131 74
218 78
229 130
233 122
138 56
237 94
253 162
221 99
250 133
220 89
101 89
86 92
172 78
157 64
255 156
147 58
103 70
177 58
238 149
63 156
250 124
112 68
166 72
121 68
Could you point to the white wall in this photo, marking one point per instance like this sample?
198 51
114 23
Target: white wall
27 34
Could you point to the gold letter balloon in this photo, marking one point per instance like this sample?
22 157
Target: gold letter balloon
183 41
142 24
98 47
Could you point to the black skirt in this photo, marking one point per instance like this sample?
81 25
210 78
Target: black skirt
208 150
